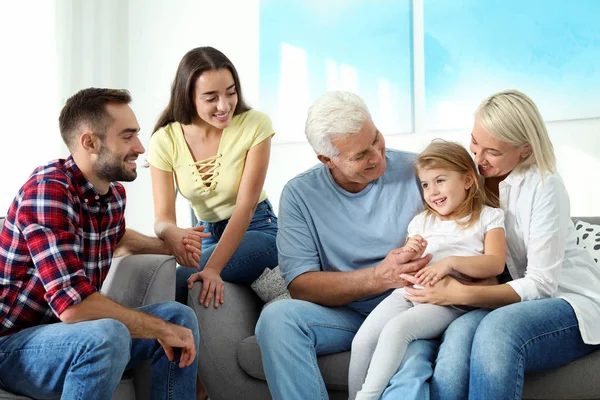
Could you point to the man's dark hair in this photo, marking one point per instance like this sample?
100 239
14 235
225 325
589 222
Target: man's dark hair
88 107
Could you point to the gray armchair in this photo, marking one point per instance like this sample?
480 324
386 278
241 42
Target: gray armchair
230 365
133 281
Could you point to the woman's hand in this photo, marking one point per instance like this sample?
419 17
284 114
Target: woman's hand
415 245
185 244
212 286
448 291
431 274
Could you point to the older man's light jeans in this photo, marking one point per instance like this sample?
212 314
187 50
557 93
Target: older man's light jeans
291 333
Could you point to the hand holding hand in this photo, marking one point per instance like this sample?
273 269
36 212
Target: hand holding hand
432 274
395 263
212 286
415 245
179 337
186 244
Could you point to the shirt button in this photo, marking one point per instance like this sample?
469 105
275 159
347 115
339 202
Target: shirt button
97 197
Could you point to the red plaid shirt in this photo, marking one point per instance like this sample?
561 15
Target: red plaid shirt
56 244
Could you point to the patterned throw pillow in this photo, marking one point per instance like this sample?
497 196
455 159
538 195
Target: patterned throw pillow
588 237
270 286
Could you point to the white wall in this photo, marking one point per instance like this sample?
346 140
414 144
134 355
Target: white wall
29 94
138 44
51 49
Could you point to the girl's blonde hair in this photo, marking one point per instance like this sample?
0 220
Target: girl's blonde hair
452 156
513 118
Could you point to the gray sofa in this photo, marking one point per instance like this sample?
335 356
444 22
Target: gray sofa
230 365
133 281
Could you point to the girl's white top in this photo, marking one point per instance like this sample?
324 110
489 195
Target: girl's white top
447 238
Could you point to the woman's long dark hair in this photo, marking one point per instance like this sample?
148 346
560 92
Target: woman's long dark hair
181 106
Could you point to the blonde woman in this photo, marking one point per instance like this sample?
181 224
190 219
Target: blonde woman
547 316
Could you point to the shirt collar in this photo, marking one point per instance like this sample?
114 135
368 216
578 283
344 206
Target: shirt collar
516 177
87 192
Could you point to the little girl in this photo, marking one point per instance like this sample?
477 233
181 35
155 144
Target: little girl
466 239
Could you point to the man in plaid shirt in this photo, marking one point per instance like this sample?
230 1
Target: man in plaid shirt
58 334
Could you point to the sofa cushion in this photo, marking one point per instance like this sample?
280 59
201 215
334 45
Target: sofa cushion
577 380
334 367
270 286
588 236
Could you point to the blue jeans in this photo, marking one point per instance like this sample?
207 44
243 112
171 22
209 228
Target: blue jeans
86 360
292 333
450 378
412 379
485 354
256 251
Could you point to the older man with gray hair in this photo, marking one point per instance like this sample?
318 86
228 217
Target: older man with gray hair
341 224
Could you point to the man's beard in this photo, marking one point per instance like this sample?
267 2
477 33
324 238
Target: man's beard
110 168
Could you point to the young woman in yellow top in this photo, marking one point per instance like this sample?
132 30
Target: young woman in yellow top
215 150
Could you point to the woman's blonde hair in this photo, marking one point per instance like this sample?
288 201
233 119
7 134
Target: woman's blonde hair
452 156
513 118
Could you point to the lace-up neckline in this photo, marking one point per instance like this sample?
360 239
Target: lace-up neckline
207 172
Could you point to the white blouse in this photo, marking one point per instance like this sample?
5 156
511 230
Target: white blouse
543 257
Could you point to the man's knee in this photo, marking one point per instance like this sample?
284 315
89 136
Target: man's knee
177 314
108 339
274 319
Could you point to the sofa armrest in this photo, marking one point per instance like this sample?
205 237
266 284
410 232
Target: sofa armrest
136 281
139 280
221 331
